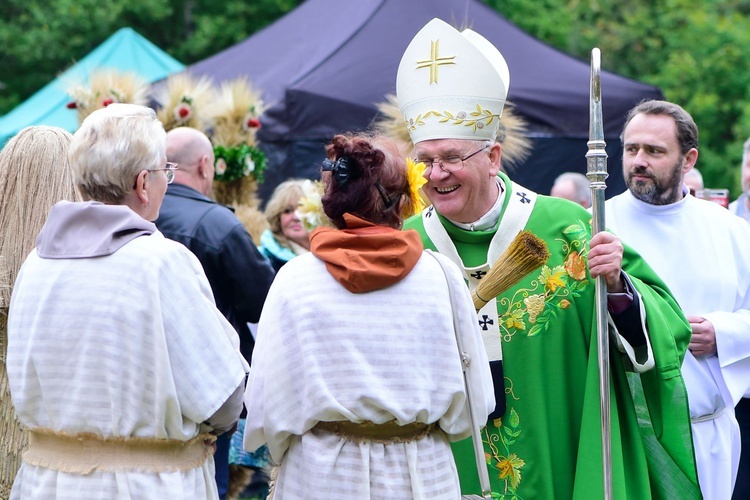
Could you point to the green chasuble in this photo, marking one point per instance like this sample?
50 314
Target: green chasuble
547 444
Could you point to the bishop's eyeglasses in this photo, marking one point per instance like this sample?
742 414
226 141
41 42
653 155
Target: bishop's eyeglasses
452 163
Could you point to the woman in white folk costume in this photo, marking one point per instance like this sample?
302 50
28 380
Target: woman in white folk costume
120 366
356 381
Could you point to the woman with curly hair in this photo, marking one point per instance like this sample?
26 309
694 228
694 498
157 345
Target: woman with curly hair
356 383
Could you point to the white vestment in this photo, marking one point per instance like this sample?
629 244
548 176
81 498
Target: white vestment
700 250
125 345
326 354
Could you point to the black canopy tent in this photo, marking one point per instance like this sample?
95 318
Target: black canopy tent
323 67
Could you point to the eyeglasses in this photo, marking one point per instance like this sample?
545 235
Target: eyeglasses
449 164
169 169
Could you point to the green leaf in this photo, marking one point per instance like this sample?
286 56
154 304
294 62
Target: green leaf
535 330
513 418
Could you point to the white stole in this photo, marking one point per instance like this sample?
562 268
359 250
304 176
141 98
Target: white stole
514 218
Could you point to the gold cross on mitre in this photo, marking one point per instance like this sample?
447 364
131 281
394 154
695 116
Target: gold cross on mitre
434 61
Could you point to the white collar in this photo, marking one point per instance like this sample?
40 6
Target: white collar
488 220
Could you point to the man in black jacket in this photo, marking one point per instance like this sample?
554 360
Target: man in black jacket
239 275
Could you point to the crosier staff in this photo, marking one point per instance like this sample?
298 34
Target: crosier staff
596 161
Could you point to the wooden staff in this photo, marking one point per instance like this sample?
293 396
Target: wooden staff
596 160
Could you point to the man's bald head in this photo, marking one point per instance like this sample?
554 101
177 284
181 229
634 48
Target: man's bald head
194 155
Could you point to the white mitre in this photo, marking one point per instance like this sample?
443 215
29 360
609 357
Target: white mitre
451 85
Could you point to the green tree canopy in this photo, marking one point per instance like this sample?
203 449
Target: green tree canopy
695 51
41 38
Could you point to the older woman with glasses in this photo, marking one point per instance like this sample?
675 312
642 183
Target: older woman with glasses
356 381
120 366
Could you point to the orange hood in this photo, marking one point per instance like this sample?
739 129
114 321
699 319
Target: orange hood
365 257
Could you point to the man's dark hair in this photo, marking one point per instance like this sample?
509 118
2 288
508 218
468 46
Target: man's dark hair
687 130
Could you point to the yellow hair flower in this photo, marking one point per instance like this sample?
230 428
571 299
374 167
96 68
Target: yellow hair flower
416 179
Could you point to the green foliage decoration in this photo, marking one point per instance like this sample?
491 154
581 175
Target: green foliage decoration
239 161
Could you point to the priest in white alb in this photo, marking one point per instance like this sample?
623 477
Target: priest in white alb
699 249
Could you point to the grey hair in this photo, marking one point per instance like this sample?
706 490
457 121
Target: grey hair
694 172
580 183
112 146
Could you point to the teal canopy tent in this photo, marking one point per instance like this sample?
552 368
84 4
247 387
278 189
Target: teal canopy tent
125 50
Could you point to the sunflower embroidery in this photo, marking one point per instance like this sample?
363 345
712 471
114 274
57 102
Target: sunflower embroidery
551 291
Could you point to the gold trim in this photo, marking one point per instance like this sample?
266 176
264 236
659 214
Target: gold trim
477 119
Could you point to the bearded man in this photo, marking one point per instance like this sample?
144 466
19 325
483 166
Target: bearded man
699 249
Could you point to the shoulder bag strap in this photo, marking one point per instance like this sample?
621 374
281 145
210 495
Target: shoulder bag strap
484 478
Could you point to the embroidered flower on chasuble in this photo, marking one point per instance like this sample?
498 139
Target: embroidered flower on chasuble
539 302
575 266
506 464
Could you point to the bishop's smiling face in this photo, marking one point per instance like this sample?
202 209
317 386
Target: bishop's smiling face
469 193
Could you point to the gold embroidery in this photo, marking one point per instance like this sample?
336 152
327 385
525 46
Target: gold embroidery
434 61
507 465
536 304
477 119
540 301
509 388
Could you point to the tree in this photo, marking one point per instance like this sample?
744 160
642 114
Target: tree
44 37
693 51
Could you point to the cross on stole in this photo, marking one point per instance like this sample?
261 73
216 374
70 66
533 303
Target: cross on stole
485 321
